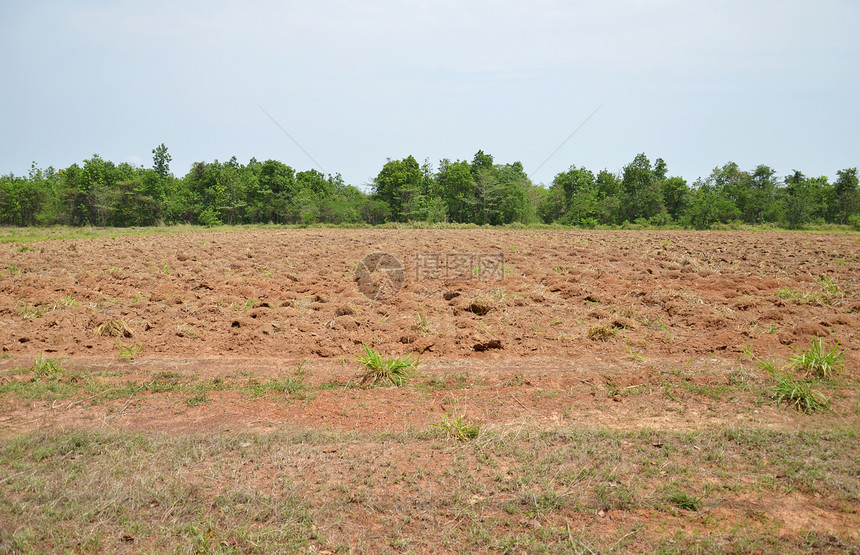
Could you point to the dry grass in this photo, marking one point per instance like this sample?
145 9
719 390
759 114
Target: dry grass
527 491
601 333
114 328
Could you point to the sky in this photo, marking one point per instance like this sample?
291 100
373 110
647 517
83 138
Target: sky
355 83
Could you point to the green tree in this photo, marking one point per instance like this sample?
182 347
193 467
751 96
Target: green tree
273 194
641 191
399 185
846 195
481 161
609 189
457 187
804 199
161 161
675 193
708 205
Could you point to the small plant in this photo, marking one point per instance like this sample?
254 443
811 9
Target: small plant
817 361
14 270
684 500
44 367
128 353
287 386
28 312
633 353
422 325
197 400
458 429
767 365
114 328
379 368
68 301
798 394
828 286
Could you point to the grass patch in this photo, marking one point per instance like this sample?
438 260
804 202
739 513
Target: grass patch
818 361
798 394
197 400
458 429
128 353
380 369
519 491
828 293
422 326
47 368
288 386
684 500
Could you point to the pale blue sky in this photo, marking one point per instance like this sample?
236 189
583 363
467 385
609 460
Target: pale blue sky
698 83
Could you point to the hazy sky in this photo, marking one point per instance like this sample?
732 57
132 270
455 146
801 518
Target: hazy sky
698 83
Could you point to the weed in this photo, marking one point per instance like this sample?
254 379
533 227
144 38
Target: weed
68 302
633 353
767 366
458 429
14 270
817 361
422 325
28 312
114 328
196 400
287 386
684 500
379 368
44 367
128 353
798 394
829 292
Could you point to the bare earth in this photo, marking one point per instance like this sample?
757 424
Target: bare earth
652 333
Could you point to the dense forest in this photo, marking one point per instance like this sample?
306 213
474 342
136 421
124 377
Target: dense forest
481 191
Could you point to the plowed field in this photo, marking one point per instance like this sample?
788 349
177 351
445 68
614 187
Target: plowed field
622 383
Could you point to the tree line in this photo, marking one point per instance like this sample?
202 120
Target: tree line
481 191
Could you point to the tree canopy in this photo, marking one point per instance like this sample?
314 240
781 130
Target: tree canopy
481 191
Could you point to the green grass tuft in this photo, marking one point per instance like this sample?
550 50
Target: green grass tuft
817 361
379 368
128 353
458 429
798 394
684 500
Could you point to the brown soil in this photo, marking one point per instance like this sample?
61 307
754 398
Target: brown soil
582 329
